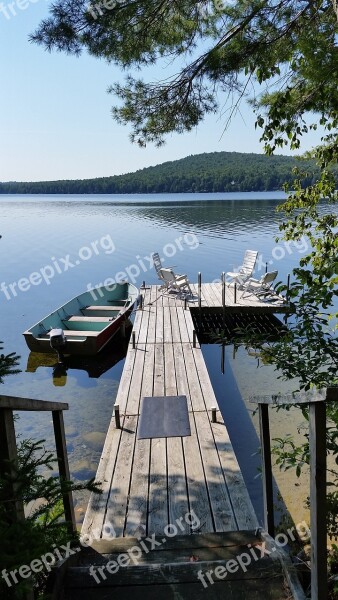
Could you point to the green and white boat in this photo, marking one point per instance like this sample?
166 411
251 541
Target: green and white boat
85 324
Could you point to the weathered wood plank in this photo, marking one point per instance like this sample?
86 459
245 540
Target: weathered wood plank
170 573
219 496
197 489
185 338
209 295
136 520
134 393
207 391
240 499
175 328
29 404
159 325
127 373
151 336
181 374
119 491
313 395
196 394
190 326
274 589
142 331
95 513
179 542
158 485
177 484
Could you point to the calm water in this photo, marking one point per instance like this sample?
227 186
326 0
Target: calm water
72 242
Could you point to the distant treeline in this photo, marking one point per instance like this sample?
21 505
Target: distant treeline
209 172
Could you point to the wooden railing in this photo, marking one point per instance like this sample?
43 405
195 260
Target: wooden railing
316 400
8 449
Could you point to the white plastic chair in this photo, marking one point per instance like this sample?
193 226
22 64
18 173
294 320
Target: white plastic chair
260 287
175 283
246 270
158 267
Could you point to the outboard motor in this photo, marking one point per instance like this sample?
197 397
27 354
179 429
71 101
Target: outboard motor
58 341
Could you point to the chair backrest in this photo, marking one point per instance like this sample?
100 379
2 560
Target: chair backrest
157 262
249 262
268 278
167 275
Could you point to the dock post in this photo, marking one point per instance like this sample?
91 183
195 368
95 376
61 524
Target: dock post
222 359
213 414
266 469
199 290
223 290
185 303
8 461
194 339
266 267
235 293
140 302
133 340
117 416
317 442
288 288
64 473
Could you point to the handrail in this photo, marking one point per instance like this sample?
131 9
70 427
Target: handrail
29 404
316 400
8 449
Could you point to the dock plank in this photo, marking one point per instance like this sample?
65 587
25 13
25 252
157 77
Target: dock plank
219 496
199 501
196 394
119 493
175 329
95 514
134 393
141 327
151 333
158 485
240 499
136 520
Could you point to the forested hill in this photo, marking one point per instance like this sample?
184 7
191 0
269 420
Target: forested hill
211 172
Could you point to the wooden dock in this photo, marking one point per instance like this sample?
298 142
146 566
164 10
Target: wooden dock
187 492
148 484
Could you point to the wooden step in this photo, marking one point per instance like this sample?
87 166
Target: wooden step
250 589
124 572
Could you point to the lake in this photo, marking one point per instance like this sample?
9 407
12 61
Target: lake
54 247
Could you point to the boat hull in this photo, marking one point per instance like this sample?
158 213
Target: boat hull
89 321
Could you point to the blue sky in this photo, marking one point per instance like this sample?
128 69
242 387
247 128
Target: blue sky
55 120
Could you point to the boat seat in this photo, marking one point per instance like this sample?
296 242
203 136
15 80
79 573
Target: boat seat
111 307
74 333
101 311
79 319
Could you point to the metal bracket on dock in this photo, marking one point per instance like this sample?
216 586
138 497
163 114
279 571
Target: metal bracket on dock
117 416
213 414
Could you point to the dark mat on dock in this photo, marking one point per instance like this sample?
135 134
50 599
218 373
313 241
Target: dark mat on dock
163 416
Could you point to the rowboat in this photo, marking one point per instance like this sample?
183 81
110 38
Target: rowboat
94 366
85 324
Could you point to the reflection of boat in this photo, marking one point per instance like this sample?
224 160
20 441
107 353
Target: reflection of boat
85 324
94 365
